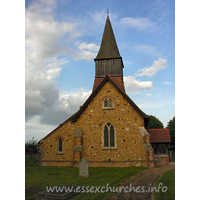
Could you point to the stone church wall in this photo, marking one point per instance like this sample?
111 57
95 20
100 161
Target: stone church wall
130 149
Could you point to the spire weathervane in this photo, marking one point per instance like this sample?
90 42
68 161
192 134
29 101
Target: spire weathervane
107 12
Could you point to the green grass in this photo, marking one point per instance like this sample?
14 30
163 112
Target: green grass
30 160
39 176
168 179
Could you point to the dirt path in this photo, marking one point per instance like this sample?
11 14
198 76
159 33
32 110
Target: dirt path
145 178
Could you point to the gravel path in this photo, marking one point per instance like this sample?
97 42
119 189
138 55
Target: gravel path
145 178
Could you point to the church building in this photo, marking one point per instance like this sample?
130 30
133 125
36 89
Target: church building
109 129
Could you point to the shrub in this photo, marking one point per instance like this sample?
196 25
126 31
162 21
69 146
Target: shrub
31 144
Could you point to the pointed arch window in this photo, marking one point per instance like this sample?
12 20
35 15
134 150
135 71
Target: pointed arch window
105 136
109 136
59 145
105 102
108 103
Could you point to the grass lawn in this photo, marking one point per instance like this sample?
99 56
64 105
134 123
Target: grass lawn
168 179
55 176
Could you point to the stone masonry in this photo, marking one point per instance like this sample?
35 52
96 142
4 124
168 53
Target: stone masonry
84 137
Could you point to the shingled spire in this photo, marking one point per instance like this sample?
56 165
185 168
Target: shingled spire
108 60
108 47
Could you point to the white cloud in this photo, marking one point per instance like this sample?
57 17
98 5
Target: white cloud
98 18
33 128
90 47
167 83
138 23
44 120
53 68
86 51
128 62
46 40
148 49
66 106
148 94
43 32
152 105
132 85
151 71
72 102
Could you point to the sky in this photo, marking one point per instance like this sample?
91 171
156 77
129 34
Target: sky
63 37
61 41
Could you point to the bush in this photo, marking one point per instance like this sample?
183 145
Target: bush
31 144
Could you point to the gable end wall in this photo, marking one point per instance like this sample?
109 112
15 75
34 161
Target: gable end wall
129 151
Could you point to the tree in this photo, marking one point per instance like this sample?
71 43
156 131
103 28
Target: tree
171 126
31 144
154 123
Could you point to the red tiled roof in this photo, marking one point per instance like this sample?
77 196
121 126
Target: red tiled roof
117 79
97 81
159 135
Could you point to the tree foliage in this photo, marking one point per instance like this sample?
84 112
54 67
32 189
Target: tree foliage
31 144
171 126
154 123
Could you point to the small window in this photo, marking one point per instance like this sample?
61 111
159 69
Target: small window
59 145
105 103
108 103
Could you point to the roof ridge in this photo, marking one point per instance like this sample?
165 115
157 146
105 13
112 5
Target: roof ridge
68 119
76 115
107 77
